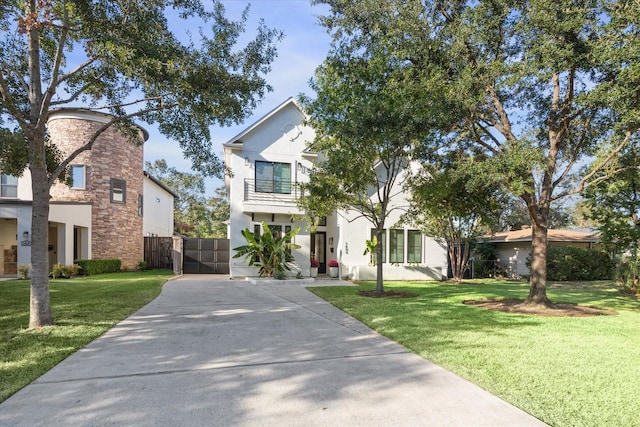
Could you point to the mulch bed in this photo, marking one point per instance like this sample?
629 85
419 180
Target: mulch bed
387 294
555 310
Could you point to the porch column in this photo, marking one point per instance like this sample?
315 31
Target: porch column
23 224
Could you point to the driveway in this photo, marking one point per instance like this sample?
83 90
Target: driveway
210 351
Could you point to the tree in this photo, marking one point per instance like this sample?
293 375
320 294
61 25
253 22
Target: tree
454 200
219 211
536 86
123 59
363 141
271 253
194 214
615 203
516 215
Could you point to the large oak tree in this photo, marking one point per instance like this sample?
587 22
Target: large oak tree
536 86
123 58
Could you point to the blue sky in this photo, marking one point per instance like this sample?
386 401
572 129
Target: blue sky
303 48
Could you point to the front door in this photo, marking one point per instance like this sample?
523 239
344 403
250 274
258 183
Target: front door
319 248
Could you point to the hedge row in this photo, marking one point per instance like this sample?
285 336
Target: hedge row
98 266
571 263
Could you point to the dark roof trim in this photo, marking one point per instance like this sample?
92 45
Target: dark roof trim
160 184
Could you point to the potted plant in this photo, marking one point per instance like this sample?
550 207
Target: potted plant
333 268
314 267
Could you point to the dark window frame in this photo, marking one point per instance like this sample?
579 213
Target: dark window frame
274 185
116 183
396 236
414 252
383 243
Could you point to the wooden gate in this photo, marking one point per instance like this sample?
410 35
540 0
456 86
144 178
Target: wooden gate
205 256
158 252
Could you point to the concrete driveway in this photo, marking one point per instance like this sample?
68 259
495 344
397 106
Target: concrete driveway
210 351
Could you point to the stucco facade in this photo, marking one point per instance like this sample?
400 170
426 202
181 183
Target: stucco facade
268 161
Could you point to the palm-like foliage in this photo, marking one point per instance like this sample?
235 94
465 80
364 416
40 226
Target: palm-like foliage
270 253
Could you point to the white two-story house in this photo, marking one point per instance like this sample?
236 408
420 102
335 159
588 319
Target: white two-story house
268 161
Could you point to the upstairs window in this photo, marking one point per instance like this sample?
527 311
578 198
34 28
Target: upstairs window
78 177
8 186
273 177
118 191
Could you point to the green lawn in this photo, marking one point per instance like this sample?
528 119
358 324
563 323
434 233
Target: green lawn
564 371
84 308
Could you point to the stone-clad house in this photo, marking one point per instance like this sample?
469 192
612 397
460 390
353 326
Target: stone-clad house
107 210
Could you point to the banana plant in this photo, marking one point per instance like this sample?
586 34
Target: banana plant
270 253
371 250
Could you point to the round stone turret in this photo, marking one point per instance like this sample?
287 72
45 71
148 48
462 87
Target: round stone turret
109 177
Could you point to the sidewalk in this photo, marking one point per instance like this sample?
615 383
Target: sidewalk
210 351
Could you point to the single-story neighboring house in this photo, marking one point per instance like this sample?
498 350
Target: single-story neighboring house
512 248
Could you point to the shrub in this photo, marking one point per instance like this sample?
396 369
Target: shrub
60 271
627 275
99 266
315 263
333 263
571 263
279 275
142 266
23 270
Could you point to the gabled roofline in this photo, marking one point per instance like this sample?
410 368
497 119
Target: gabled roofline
160 184
236 141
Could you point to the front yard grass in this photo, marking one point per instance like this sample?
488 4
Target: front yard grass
84 308
566 371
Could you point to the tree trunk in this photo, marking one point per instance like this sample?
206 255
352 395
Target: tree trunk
379 249
40 308
538 281
454 252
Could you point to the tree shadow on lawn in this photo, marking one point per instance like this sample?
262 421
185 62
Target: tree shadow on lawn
576 291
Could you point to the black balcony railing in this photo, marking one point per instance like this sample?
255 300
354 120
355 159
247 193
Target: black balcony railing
256 190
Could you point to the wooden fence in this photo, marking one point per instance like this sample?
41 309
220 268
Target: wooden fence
158 252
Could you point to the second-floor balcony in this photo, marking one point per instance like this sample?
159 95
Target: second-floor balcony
271 195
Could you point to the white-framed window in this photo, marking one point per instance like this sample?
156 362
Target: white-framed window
78 177
8 186
118 190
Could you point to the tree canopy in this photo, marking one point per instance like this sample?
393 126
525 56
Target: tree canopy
126 59
363 141
614 204
194 214
534 86
456 201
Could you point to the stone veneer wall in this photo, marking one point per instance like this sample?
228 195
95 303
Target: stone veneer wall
116 227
